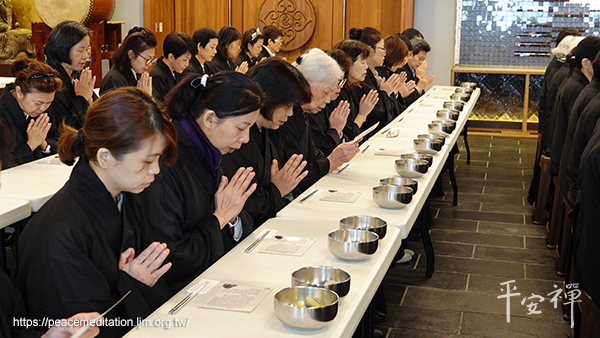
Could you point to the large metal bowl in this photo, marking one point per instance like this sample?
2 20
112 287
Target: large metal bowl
427 146
403 181
352 244
374 224
460 97
409 167
448 114
334 279
287 310
451 123
419 156
435 137
392 196
464 90
471 85
440 128
456 105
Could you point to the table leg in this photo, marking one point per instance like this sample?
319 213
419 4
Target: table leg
366 327
427 245
3 252
453 179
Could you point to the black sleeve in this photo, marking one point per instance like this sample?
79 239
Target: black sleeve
324 137
160 87
71 110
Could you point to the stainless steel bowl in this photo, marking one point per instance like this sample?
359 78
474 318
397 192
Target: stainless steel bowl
403 181
439 128
409 167
374 224
471 85
427 146
449 114
464 90
460 97
450 123
286 303
392 196
352 244
456 105
419 156
436 137
334 279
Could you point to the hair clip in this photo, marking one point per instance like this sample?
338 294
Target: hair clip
41 76
299 60
201 80
255 34
135 29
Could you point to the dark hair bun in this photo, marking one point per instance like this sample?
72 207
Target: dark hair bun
135 29
18 66
355 33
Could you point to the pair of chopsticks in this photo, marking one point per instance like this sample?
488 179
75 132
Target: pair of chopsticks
188 298
342 169
258 240
309 195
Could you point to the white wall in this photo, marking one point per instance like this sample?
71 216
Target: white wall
436 20
130 11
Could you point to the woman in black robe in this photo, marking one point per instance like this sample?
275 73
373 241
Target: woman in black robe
251 45
131 62
272 43
228 49
178 49
77 253
192 207
67 50
22 106
283 87
206 40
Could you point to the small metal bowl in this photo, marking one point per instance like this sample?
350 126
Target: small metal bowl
460 97
435 137
409 167
403 181
471 85
451 123
287 311
464 90
456 105
449 114
439 129
336 280
392 196
427 146
374 224
419 156
352 244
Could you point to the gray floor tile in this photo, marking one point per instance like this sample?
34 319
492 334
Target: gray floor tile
543 272
510 229
514 255
492 190
416 277
493 326
455 224
506 208
440 321
536 243
481 216
442 235
498 199
476 266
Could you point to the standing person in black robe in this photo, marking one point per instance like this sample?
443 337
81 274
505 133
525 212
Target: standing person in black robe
283 86
583 55
587 231
78 253
22 106
416 68
192 207
323 75
131 62
227 50
178 49
67 51
583 100
272 43
251 45
206 40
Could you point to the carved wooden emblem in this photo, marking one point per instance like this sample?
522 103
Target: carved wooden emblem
296 18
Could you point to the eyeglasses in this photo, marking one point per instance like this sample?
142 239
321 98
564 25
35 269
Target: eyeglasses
148 61
342 82
279 40
382 49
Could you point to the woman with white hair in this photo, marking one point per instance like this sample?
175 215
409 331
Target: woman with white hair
324 76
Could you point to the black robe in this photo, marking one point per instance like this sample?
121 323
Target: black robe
583 132
552 67
117 79
264 53
562 110
559 78
415 95
180 206
12 307
385 72
244 57
67 106
386 109
264 147
196 67
13 117
219 63
584 98
69 255
324 137
296 139
587 231
163 80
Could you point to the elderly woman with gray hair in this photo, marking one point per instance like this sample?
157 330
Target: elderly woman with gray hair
324 76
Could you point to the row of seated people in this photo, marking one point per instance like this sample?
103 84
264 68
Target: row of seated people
570 137
163 190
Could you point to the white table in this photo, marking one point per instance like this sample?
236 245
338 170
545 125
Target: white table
12 210
274 271
35 181
6 80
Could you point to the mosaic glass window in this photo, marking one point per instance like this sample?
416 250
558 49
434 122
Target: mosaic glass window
518 33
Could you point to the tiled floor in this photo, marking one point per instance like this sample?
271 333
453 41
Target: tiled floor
487 239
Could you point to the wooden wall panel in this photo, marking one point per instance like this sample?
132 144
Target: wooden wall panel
191 15
362 13
160 11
